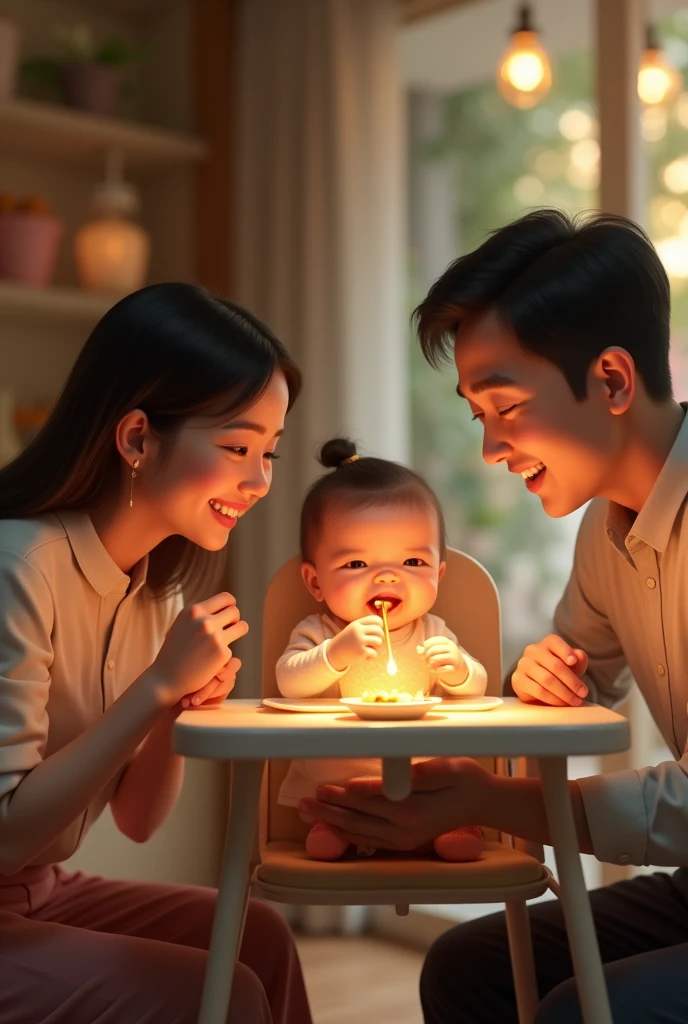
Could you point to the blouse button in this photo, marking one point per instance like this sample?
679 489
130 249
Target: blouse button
661 669
623 858
651 583
111 664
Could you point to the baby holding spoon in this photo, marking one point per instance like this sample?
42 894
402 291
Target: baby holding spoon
372 544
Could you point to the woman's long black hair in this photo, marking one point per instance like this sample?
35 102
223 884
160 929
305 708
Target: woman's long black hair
172 350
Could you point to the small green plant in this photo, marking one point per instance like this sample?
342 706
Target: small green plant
76 45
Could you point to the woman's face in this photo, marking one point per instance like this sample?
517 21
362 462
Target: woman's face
215 473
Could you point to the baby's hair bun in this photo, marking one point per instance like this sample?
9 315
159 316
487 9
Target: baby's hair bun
333 452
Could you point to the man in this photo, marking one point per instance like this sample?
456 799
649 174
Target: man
560 335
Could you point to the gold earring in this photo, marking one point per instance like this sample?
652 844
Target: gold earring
133 475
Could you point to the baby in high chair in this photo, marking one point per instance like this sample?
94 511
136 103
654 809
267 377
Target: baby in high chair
371 531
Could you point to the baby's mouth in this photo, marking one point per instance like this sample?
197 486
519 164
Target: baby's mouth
392 603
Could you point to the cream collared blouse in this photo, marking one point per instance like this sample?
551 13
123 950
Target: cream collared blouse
75 631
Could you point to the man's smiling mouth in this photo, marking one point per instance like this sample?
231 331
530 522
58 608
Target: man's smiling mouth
530 474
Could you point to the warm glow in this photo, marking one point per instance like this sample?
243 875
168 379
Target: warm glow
576 124
668 213
528 189
675 175
111 255
654 123
586 178
681 110
673 252
392 667
525 76
658 81
585 155
525 70
549 163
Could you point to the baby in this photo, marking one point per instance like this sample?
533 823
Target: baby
371 531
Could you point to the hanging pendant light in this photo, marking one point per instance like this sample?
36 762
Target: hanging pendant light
525 76
658 79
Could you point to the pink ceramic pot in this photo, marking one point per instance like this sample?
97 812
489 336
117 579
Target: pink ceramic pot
28 247
92 87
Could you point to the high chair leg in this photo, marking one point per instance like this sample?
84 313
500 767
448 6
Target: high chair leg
233 890
522 963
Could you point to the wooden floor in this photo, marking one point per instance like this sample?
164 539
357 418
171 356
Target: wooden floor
361 979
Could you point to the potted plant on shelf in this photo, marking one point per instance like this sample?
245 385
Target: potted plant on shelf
89 75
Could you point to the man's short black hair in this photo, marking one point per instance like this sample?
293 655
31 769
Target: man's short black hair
568 288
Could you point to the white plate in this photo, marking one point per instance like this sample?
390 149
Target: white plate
396 710
470 703
317 704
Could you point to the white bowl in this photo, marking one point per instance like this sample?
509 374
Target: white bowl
392 711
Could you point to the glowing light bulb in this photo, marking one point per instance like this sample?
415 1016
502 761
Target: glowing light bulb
658 80
525 76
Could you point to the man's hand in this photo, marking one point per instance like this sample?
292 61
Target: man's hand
447 793
361 639
549 673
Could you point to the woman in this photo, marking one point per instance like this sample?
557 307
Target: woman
163 436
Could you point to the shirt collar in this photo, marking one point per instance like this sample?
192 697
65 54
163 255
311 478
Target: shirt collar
94 561
655 521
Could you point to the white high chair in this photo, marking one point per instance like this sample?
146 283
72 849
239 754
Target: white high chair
509 871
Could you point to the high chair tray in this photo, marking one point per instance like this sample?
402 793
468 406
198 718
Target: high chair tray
323 705
470 703
329 706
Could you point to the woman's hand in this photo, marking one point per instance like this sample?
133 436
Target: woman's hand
549 672
195 657
217 690
447 793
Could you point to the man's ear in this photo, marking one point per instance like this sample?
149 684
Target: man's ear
441 571
614 370
310 578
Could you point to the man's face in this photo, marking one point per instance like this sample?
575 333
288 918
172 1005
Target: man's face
567 449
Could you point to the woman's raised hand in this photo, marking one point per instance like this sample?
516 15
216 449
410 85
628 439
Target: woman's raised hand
195 658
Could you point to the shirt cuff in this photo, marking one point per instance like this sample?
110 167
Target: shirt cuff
615 810
458 687
330 667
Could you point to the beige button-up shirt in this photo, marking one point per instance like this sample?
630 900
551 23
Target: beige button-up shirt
626 605
75 631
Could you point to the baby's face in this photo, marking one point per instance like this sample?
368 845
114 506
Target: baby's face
373 554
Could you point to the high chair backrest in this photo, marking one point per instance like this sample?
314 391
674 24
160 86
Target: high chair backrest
467 600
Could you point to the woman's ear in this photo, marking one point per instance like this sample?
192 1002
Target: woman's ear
614 369
441 571
310 578
133 436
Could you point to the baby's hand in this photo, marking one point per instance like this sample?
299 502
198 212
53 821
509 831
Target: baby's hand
360 639
443 656
549 673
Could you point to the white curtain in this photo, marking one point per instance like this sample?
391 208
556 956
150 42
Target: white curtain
319 248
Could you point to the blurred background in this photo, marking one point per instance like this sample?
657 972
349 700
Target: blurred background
321 162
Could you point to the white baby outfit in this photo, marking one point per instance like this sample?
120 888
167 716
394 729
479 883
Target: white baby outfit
305 671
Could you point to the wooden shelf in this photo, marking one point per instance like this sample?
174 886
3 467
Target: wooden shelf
70 305
51 132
